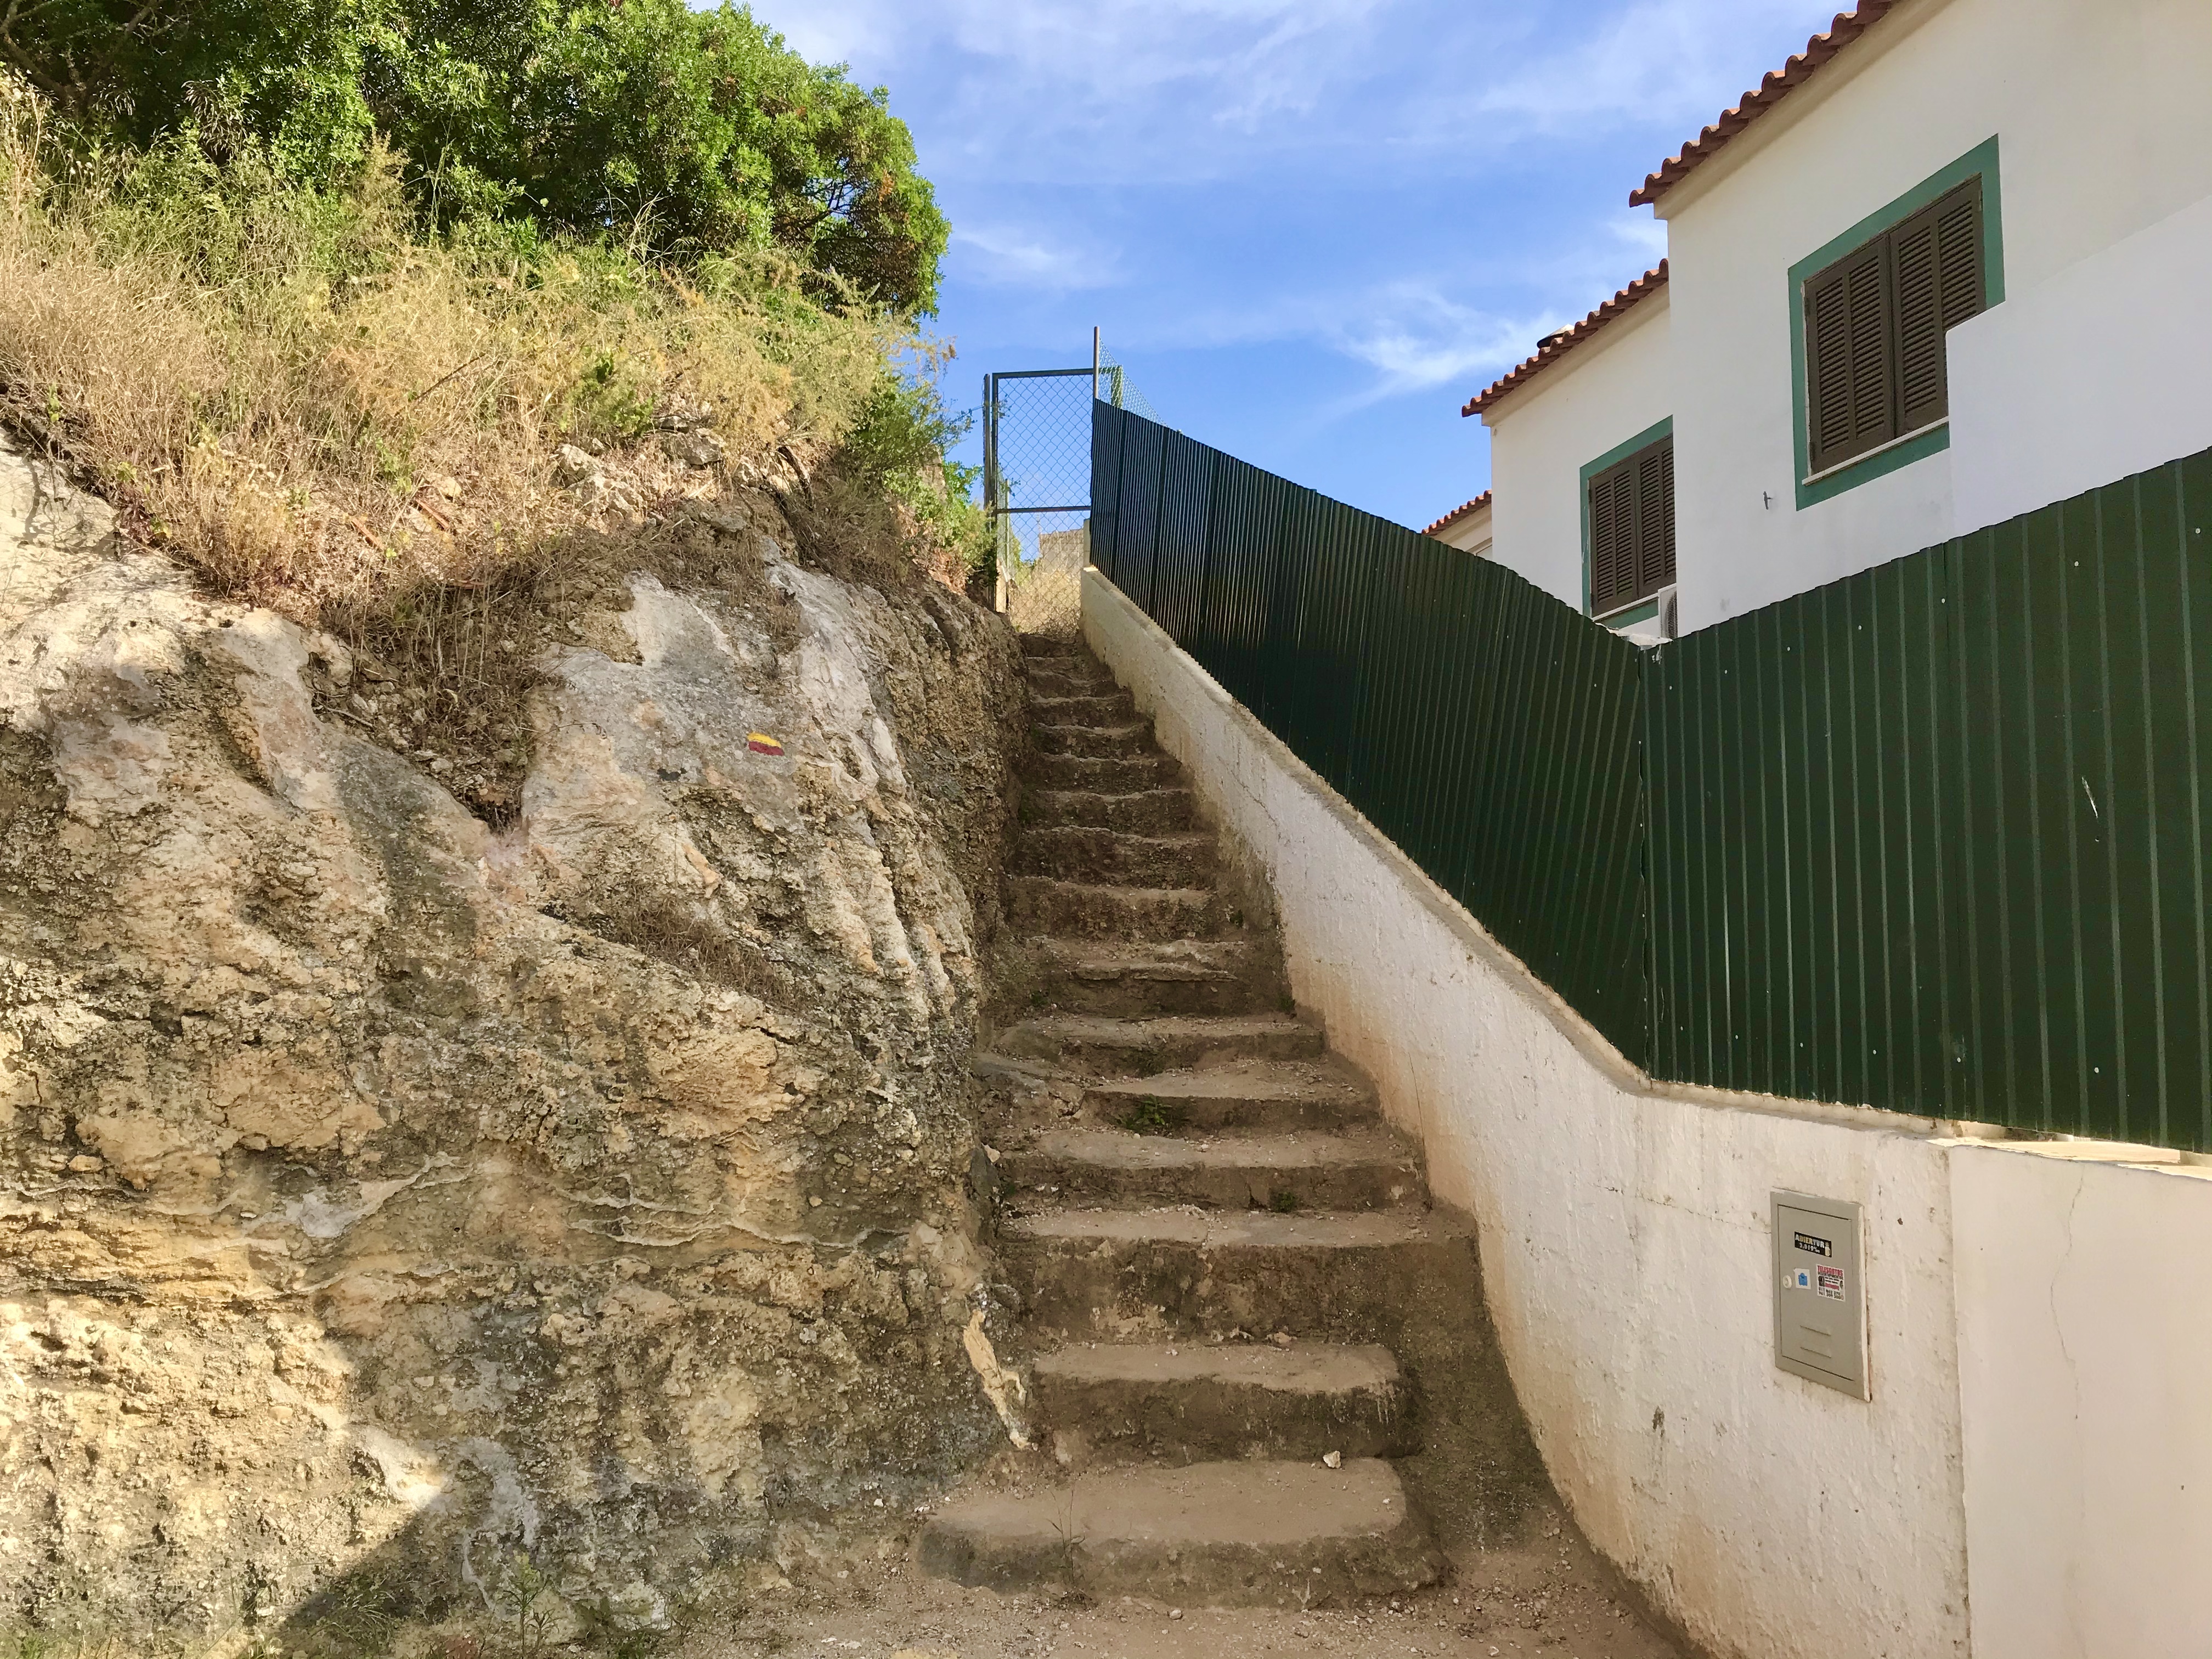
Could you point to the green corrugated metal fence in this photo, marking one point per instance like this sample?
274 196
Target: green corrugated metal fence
1934 838
1485 727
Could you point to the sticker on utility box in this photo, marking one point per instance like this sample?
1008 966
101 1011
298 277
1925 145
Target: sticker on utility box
1829 1282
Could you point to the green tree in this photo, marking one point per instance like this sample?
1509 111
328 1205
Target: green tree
693 132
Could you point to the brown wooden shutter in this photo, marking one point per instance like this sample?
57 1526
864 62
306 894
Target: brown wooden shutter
1612 567
1939 285
1875 323
1655 516
1849 357
1631 517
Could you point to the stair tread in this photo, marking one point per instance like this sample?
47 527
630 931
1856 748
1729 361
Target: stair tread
1258 1080
1306 1149
1270 1504
1303 1368
1336 1229
1174 958
1139 1031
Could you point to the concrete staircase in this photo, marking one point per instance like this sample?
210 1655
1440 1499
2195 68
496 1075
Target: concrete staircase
1216 1243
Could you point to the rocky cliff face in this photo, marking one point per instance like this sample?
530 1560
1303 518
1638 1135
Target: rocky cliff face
387 1190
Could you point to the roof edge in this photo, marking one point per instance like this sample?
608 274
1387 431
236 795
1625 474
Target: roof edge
1459 512
1776 85
1553 347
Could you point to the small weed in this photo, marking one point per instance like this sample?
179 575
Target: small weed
1283 1201
1036 999
1154 1116
518 1596
1235 918
1287 1003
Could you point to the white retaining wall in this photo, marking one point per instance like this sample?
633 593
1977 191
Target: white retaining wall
1622 1227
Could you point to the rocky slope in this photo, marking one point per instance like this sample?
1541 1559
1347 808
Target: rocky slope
385 1190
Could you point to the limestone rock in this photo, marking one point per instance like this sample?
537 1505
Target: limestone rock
383 1191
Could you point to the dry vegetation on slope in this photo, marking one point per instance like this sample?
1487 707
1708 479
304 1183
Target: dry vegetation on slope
424 443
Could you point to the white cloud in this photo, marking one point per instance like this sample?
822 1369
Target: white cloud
1008 257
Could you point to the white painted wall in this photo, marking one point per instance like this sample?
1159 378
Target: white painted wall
2104 127
2084 1340
2101 371
1613 385
2057 1310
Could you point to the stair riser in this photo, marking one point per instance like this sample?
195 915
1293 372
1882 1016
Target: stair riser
1116 857
1111 708
1041 906
1090 1289
1129 776
1134 997
1222 1575
1093 1422
1364 1186
1093 742
1158 811
1068 680
1113 1057
1212 1112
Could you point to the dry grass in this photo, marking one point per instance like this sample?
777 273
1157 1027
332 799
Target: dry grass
314 406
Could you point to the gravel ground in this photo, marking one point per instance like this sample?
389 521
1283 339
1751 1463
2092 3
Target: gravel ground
1545 1597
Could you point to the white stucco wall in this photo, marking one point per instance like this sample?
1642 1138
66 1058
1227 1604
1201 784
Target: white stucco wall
2105 128
2085 1338
1603 393
2103 370
2039 1332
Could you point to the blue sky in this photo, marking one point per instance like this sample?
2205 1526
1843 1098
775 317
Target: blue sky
1311 228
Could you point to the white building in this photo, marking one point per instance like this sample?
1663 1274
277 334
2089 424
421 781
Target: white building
1948 264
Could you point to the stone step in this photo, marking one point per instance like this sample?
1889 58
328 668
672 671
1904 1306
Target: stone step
1120 774
1116 857
1066 677
1152 812
1042 905
1174 976
1212 1534
1113 1401
1036 645
1085 708
1333 1276
1104 1046
1307 1169
1278 1096
1100 741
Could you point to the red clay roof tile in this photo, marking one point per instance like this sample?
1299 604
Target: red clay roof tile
1553 347
1457 514
1847 28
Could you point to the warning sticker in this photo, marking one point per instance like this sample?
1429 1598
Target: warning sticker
1812 1244
1830 1283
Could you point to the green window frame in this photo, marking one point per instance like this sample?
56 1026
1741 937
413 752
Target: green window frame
1979 162
1605 463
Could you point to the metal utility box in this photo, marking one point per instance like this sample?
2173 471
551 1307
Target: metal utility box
1820 1292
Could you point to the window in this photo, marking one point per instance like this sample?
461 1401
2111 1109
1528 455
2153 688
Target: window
1874 322
1632 528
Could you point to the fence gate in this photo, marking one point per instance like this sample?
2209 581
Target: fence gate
1037 461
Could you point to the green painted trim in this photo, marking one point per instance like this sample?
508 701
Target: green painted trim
1980 162
1663 428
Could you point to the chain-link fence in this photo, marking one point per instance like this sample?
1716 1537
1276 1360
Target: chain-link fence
1036 459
